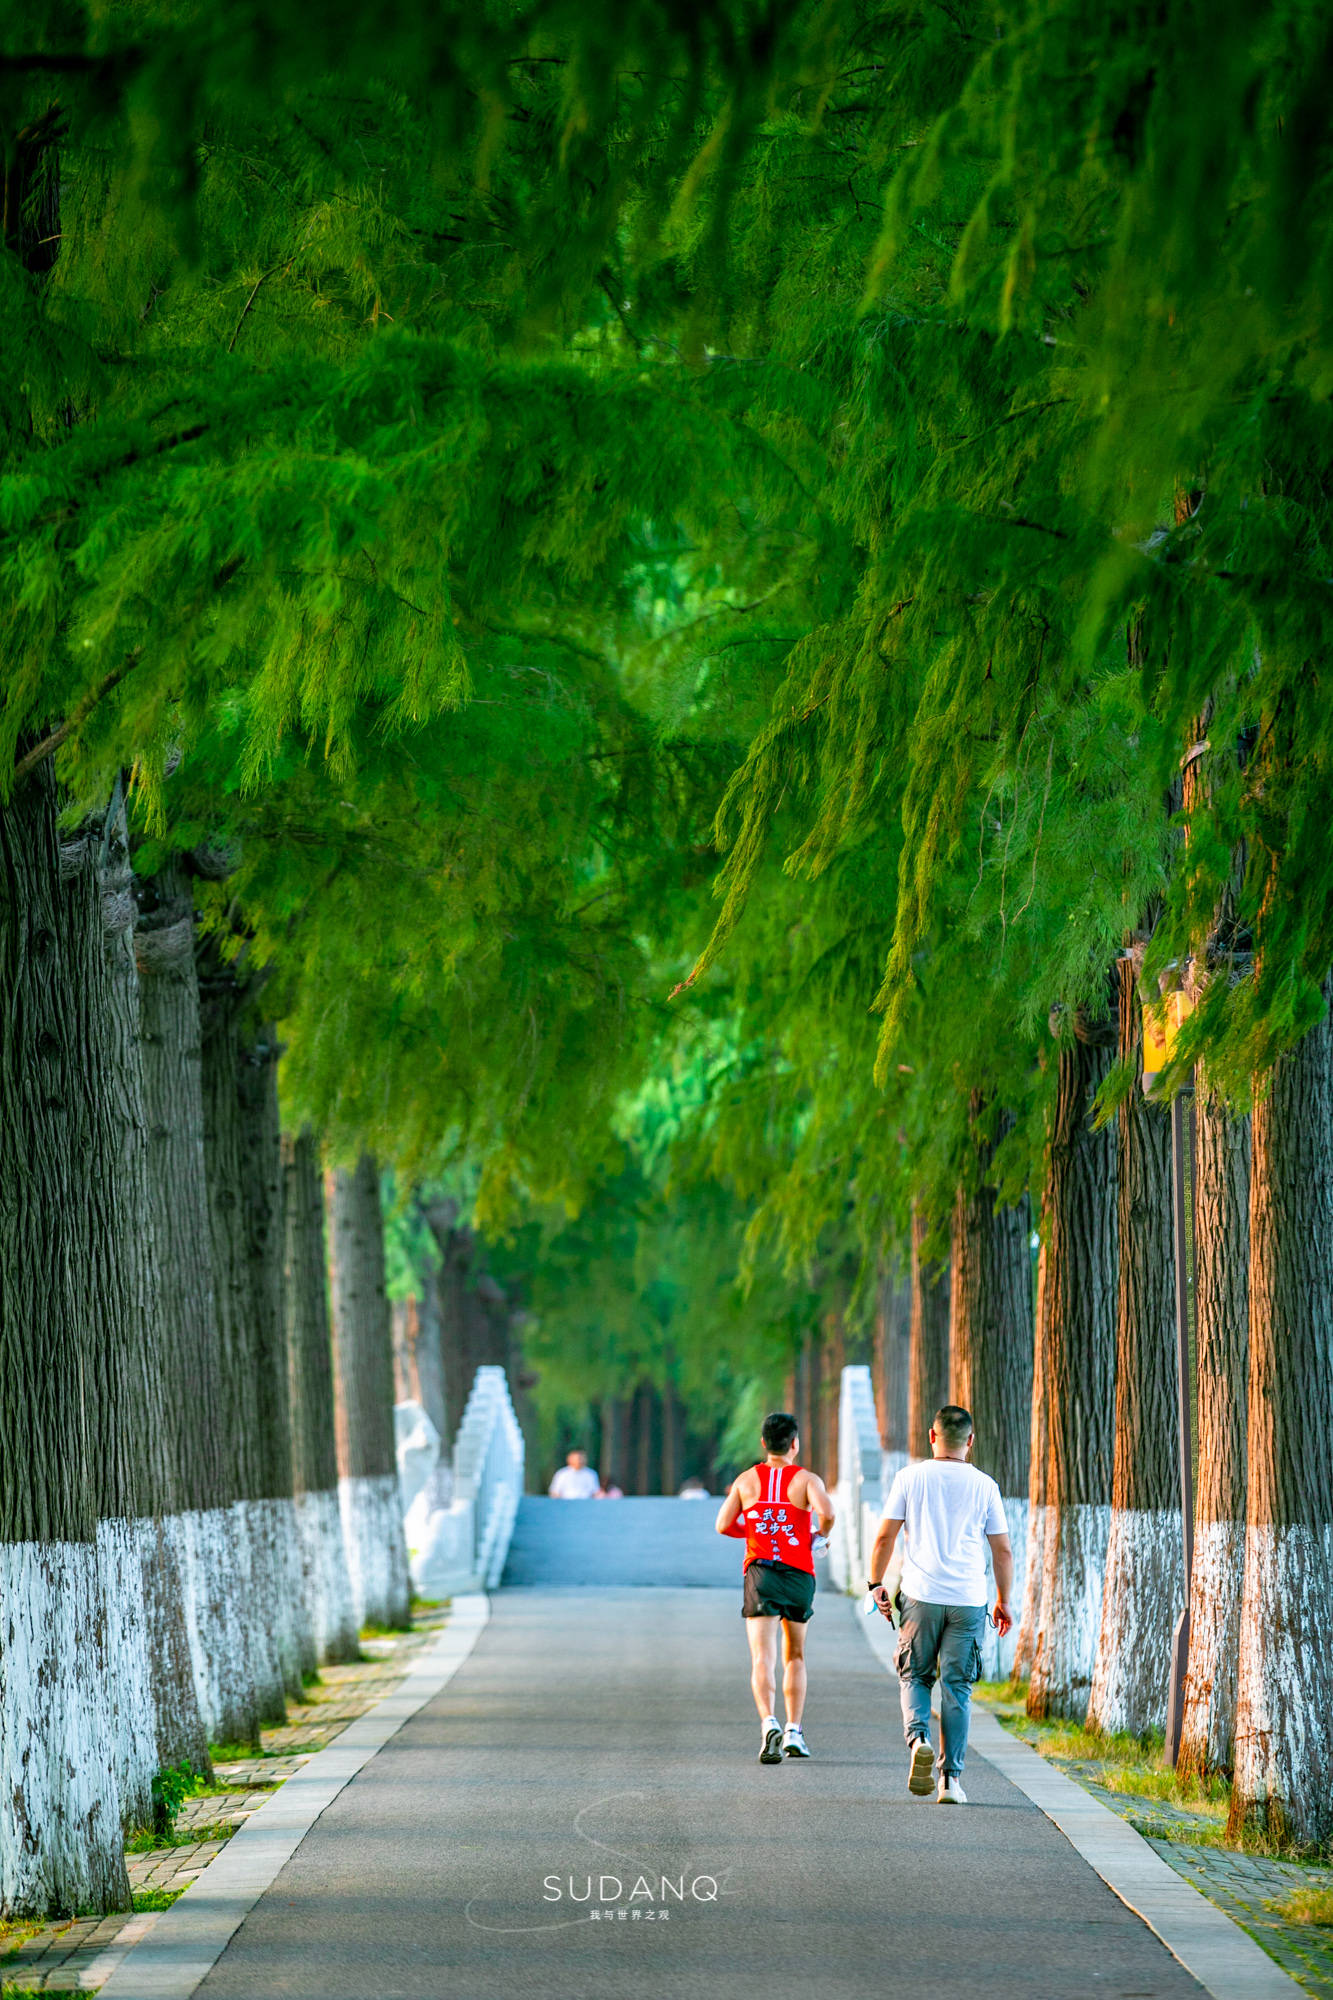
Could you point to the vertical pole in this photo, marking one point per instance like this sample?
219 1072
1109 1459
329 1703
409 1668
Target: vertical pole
1182 1190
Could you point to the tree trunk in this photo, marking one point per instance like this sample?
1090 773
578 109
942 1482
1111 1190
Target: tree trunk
893 1322
246 1391
265 1241
1221 1308
615 1455
328 1584
208 1534
1145 1580
1284 1709
363 1375
1079 1343
146 1627
671 1440
647 1439
928 1366
1038 1507
990 1357
60 1808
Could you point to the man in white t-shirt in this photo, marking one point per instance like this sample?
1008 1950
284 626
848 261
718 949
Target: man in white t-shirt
948 1513
575 1480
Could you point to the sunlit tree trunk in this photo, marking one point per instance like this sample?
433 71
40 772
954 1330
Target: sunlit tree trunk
1284 1710
928 1361
328 1585
1145 1557
1078 1339
1038 1509
1221 1311
363 1378
990 1356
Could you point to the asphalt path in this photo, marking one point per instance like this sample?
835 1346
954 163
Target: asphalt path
580 1815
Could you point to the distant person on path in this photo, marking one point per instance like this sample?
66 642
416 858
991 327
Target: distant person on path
694 1489
608 1490
774 1506
575 1480
948 1512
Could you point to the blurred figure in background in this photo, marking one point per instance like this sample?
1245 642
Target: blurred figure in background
608 1490
575 1480
694 1489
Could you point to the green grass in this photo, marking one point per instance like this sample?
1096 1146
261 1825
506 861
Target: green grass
1135 1767
143 1840
235 1753
1307 1905
155 1899
312 1678
385 1631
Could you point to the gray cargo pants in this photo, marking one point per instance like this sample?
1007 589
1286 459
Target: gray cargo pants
943 1638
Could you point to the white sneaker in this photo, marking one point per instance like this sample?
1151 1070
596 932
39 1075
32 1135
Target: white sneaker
920 1764
770 1750
793 1743
950 1793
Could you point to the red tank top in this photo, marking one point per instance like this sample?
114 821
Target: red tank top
776 1530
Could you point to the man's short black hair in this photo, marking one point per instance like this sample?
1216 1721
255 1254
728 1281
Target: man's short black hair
953 1424
778 1431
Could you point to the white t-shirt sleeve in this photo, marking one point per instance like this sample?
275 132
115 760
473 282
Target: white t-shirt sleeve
995 1521
895 1507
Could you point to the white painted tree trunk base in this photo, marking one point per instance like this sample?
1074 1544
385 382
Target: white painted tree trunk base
997 1654
1069 1623
212 1552
1208 1734
121 1550
1284 1711
376 1548
277 1531
61 1838
1029 1623
1145 1590
328 1585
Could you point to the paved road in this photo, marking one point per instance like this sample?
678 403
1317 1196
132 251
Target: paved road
665 1544
609 1734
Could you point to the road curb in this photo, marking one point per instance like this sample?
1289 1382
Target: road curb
170 1961
1224 1959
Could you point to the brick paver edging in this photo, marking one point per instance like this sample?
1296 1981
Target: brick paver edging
1221 1956
186 1941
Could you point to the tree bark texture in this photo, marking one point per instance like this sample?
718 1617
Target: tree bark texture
327 1582
1145 1582
928 1379
265 1245
363 1379
1025 1643
161 1722
207 1531
1221 1311
60 1808
246 1366
1284 1708
991 1341
892 1351
1079 1348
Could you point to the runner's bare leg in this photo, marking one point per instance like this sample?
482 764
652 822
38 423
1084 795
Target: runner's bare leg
793 1671
763 1636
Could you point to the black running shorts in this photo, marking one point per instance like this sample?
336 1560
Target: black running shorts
776 1590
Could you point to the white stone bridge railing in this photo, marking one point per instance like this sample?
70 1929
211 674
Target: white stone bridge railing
459 1516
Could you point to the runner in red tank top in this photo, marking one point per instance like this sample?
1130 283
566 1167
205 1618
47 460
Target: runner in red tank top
775 1507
